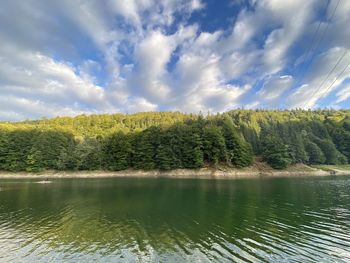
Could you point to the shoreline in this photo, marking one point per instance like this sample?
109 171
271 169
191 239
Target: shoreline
256 171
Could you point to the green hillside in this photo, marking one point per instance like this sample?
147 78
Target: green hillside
169 140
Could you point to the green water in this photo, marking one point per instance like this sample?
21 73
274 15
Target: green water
175 220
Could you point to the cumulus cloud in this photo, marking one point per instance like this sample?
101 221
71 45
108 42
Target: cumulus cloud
152 54
72 57
29 78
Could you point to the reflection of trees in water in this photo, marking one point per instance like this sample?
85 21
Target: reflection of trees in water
169 216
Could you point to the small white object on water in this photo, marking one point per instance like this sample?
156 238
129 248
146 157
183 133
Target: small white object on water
44 182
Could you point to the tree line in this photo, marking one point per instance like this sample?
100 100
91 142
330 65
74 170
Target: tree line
174 140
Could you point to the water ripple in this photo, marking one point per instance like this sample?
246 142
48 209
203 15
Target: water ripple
190 221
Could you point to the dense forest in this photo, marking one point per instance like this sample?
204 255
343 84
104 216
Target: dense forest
170 140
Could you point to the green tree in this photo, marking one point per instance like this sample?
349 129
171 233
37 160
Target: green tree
239 152
88 154
166 158
169 140
275 152
329 150
192 155
145 148
4 144
341 138
298 152
214 147
19 145
314 152
117 152
34 161
67 159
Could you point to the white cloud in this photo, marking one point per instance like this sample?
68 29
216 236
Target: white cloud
291 17
321 77
272 90
19 108
127 9
344 93
39 80
70 57
201 86
152 55
244 29
140 105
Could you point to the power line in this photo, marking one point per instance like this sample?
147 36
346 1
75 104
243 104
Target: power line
339 75
328 75
314 37
310 47
318 44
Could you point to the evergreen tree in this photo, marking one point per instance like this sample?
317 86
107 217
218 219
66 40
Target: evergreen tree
145 148
251 136
4 144
117 152
275 153
166 158
329 150
298 152
214 147
238 150
341 138
175 140
192 155
314 152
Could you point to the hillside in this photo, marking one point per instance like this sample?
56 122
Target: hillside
172 140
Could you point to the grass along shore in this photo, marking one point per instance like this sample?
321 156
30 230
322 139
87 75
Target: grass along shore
259 169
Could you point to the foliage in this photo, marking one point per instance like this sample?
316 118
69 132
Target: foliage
314 152
214 146
170 140
117 152
275 152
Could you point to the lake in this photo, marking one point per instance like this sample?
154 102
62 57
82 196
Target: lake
176 220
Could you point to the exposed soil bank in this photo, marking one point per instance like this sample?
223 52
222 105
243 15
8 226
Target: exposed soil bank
257 170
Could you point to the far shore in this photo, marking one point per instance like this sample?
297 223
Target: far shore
257 170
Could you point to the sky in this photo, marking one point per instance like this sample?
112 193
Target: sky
71 57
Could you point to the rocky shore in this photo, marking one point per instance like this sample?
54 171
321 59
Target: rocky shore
257 170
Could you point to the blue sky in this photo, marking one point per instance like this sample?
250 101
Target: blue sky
66 57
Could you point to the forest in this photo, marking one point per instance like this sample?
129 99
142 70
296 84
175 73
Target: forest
171 140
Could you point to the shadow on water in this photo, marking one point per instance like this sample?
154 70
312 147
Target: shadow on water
141 220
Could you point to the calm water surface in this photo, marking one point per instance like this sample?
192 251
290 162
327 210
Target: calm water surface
173 220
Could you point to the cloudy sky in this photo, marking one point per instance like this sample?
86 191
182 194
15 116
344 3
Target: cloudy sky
68 57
